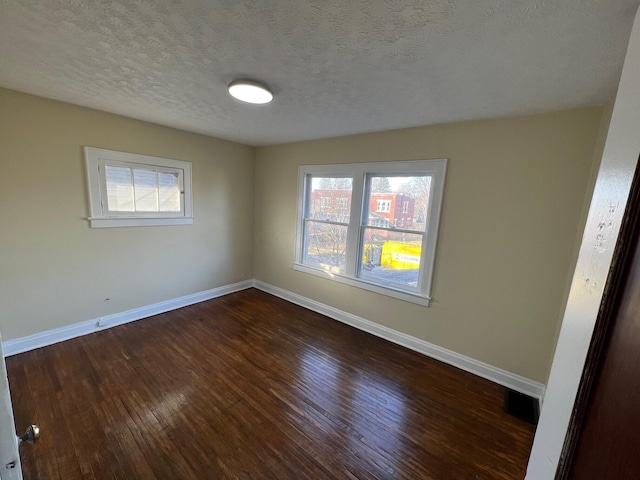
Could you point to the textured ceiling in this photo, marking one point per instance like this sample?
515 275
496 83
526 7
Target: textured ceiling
336 67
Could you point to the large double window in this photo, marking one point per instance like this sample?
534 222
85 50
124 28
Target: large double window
372 225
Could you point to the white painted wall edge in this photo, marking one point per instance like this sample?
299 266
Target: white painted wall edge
55 335
481 369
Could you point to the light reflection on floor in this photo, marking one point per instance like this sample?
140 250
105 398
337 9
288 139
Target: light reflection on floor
374 403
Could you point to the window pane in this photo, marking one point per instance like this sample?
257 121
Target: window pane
146 190
168 192
330 199
399 201
119 189
325 244
391 257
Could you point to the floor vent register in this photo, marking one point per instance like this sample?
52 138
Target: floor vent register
522 406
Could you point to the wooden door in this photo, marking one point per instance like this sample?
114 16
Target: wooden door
10 468
606 444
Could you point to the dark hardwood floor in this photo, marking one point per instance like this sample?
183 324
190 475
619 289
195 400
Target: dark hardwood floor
249 386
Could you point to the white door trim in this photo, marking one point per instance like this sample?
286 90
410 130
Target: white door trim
9 454
619 160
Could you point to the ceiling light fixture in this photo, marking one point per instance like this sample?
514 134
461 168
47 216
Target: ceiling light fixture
250 91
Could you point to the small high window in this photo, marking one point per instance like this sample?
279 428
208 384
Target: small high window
127 189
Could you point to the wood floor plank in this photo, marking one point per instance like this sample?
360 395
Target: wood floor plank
249 386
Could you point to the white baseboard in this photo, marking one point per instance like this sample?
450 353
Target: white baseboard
484 370
55 335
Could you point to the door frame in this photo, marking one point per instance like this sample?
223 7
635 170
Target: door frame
610 195
8 440
614 288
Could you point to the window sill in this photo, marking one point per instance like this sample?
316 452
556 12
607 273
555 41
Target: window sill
389 292
139 222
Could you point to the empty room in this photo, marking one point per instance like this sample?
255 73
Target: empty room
314 239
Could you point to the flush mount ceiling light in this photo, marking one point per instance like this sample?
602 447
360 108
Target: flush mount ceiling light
250 91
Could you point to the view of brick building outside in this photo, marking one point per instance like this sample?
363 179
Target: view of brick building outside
385 209
395 208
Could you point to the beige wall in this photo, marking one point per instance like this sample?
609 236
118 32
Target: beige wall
603 128
55 270
513 206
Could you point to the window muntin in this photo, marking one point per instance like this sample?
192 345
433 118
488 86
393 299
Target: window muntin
386 240
135 190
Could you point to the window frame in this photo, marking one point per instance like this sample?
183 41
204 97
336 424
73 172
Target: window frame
360 200
100 217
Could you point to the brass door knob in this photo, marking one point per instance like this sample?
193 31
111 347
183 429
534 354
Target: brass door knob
30 435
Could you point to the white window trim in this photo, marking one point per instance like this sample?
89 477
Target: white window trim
100 218
359 172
